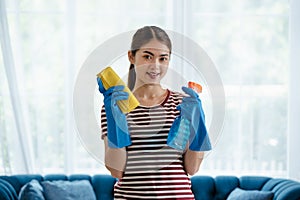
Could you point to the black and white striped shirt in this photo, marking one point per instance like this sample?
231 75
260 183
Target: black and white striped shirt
153 169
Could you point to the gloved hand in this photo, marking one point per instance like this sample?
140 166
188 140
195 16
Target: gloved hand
191 108
117 128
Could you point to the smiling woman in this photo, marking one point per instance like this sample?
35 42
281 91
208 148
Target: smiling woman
147 166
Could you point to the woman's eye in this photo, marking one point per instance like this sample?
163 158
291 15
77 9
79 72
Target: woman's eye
164 59
147 57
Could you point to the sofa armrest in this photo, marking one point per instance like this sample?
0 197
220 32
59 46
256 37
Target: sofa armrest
284 189
7 191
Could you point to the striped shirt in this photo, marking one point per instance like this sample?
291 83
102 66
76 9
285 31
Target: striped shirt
153 169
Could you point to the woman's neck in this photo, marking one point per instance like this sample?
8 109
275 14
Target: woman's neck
149 95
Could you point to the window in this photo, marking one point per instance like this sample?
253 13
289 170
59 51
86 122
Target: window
247 40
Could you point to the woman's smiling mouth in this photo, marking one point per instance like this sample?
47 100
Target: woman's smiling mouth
153 75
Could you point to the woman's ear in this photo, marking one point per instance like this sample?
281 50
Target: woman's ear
130 57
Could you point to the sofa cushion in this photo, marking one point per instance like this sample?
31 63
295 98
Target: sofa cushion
203 187
239 194
253 182
31 191
68 190
104 186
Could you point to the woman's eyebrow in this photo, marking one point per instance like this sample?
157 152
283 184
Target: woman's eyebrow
153 54
148 53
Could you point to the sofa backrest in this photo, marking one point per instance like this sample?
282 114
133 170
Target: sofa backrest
10 186
219 188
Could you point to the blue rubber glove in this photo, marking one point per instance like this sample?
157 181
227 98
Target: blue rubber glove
191 108
117 128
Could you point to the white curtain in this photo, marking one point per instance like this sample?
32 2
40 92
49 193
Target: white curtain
294 92
27 161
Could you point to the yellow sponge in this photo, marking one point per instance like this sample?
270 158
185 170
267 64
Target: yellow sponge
110 78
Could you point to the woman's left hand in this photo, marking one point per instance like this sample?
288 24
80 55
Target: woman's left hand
191 108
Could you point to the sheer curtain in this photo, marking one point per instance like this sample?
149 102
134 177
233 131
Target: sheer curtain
21 129
49 41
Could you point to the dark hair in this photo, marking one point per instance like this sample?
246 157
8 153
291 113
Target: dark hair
141 37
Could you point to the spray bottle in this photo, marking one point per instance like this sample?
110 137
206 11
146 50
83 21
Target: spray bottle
180 130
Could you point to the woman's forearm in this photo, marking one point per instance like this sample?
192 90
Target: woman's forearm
192 161
115 160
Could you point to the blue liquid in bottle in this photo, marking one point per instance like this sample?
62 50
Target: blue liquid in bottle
179 133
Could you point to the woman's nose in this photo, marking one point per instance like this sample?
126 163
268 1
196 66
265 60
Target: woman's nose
155 63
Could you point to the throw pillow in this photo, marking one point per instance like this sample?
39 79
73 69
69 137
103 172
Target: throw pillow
239 194
68 190
31 191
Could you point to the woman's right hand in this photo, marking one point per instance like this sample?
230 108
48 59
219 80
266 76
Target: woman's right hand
117 128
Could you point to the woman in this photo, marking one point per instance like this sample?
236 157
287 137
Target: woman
147 168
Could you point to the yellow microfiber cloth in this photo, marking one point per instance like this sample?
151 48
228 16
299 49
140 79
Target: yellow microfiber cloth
110 78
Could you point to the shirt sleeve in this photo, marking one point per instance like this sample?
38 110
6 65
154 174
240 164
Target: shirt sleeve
103 123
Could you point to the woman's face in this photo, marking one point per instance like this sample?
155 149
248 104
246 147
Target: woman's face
151 62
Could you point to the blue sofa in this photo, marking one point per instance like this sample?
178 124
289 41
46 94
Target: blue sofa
204 187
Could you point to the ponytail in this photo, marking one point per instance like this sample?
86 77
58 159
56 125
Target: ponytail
131 77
